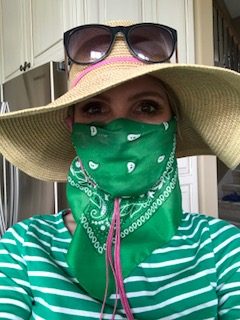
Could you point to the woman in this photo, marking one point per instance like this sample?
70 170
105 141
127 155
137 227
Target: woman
124 249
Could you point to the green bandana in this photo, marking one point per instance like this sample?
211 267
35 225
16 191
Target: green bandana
136 162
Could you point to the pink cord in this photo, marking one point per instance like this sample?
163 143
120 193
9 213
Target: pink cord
116 268
117 263
108 259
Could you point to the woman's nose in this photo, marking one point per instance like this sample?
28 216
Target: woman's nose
120 109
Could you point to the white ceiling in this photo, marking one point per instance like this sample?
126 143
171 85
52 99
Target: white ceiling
233 7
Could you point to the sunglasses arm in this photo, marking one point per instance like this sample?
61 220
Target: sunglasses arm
67 64
176 54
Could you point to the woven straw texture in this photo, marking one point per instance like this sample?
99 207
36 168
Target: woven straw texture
38 142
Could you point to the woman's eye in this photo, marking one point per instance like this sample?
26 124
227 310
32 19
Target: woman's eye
148 107
91 111
93 108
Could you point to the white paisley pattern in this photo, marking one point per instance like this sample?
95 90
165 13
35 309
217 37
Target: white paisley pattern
140 211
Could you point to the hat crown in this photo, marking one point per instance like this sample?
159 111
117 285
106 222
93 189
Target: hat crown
119 49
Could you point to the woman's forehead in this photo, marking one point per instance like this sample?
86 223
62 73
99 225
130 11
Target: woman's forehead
145 84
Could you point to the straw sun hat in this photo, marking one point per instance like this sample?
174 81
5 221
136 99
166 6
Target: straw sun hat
37 140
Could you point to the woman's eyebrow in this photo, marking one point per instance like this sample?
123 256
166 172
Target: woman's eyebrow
147 94
139 95
101 96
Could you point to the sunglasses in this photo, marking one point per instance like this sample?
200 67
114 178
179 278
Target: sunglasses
148 42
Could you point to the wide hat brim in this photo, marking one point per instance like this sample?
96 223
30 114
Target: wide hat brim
38 141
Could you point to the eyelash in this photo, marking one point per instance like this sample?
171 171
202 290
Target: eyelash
150 103
86 109
98 108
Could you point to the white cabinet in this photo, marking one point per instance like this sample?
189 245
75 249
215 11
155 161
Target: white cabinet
1 50
31 32
15 38
187 169
49 20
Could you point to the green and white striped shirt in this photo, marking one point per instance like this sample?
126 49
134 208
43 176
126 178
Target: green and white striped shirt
195 276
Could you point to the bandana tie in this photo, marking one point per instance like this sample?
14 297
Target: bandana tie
130 167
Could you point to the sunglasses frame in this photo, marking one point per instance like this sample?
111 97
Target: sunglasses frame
114 31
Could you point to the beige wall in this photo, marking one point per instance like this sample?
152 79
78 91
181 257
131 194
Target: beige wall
207 168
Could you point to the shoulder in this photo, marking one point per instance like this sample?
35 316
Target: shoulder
216 227
223 237
35 226
205 221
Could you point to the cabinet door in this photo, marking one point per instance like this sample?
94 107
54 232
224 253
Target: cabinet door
48 25
15 24
1 50
187 168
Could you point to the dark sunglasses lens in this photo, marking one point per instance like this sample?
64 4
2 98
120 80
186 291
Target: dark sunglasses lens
151 43
88 45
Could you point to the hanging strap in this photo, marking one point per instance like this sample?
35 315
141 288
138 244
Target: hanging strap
115 265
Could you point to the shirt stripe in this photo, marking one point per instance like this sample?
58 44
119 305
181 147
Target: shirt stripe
193 276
